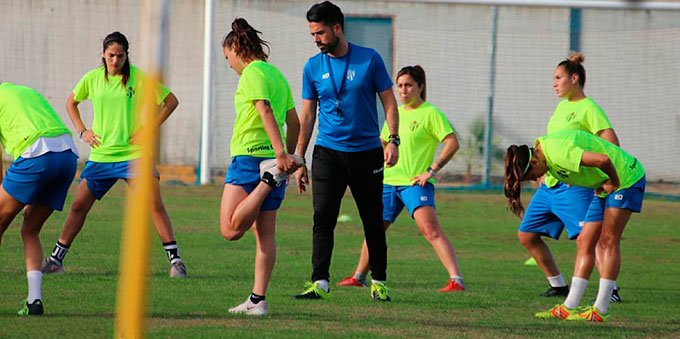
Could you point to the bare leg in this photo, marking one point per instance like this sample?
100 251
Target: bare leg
363 267
9 207
615 220
585 253
34 219
240 210
265 255
540 251
76 217
426 219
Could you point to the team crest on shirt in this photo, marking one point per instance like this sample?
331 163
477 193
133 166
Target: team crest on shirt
571 116
130 92
350 74
325 76
413 126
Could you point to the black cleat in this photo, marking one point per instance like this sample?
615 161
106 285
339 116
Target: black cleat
615 298
562 291
36 308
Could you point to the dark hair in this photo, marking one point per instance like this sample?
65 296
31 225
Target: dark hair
572 65
118 38
516 160
418 74
327 13
245 41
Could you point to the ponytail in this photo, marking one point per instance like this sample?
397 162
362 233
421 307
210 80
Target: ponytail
246 42
517 161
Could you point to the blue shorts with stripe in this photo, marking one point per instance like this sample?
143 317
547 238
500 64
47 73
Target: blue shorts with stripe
554 208
101 176
627 198
41 180
244 171
395 198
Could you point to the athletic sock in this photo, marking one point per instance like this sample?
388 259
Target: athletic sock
34 285
459 280
578 287
59 252
256 298
557 281
360 277
322 284
378 281
172 251
603 294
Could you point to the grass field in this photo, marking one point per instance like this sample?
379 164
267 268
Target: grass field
502 296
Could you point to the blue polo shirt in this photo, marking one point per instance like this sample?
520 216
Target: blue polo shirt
356 128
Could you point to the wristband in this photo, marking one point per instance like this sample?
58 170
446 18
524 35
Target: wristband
394 139
431 171
80 134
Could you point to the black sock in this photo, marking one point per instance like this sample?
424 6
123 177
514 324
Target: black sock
172 251
59 252
256 298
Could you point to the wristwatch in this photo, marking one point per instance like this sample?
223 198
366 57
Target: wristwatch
394 139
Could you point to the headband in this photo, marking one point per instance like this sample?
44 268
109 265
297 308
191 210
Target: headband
528 163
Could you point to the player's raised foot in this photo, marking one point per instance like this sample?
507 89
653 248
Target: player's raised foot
313 291
562 291
351 281
270 173
452 286
380 292
558 312
615 297
35 308
589 313
250 308
178 270
51 267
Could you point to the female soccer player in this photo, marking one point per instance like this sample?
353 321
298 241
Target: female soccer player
410 182
114 90
254 186
557 205
581 159
44 166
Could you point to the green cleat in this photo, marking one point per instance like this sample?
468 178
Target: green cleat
312 291
558 311
589 313
36 308
380 292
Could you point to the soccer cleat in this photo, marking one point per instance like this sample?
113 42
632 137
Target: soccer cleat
615 297
558 311
312 291
351 281
452 286
270 174
178 270
51 267
380 292
561 291
590 313
250 308
36 308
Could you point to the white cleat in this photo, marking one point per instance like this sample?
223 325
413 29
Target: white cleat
249 308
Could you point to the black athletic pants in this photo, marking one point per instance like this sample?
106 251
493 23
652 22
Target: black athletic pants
332 172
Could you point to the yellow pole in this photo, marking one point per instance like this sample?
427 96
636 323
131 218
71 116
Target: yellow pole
131 299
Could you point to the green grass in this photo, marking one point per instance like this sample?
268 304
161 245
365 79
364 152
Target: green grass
502 296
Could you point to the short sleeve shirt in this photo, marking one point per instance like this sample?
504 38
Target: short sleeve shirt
420 131
259 81
584 115
356 127
25 116
564 150
115 111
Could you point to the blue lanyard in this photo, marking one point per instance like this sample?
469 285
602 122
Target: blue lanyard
342 83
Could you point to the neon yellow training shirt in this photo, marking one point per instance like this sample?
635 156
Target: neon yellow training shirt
420 131
114 107
259 81
563 152
583 115
25 116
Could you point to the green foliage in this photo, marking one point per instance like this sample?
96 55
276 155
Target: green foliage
502 296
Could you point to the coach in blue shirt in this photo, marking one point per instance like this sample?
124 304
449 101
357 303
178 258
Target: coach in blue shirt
344 79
